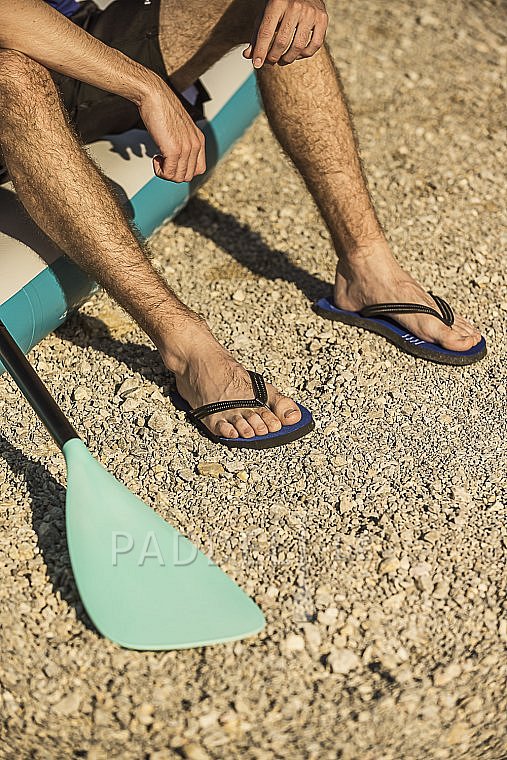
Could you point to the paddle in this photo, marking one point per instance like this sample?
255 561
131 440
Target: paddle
142 583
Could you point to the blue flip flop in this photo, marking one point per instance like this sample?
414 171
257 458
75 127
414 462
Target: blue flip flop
285 435
376 319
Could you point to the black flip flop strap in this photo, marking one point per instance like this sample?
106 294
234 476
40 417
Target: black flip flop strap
445 315
260 393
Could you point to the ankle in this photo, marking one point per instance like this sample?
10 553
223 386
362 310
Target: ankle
364 256
180 347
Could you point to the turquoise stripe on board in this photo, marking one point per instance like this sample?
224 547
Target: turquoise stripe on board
44 303
153 202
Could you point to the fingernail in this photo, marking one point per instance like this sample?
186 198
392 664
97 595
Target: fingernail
258 63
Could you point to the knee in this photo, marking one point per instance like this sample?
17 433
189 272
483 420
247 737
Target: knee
20 76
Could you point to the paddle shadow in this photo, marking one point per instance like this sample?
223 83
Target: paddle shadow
48 521
248 247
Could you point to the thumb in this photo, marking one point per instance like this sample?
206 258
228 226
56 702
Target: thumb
158 164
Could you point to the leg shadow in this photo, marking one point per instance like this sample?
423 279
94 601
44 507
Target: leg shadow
87 331
48 521
253 253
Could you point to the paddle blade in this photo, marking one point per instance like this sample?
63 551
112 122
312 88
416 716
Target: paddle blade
142 583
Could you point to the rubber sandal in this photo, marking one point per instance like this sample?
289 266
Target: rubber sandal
377 319
281 437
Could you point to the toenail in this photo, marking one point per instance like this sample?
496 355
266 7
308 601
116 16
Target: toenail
290 412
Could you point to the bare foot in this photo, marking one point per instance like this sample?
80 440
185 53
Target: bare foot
210 373
374 276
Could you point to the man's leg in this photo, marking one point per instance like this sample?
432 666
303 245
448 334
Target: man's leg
307 111
68 198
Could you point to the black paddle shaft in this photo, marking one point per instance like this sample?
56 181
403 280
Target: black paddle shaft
34 389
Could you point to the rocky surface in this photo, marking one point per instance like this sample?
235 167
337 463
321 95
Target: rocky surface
376 546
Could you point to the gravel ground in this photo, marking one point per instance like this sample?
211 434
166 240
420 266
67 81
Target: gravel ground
376 546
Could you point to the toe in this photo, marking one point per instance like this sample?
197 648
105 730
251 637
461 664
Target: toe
271 421
459 341
286 410
225 429
242 426
257 423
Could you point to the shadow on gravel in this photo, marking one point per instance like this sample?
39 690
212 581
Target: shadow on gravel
240 242
90 332
48 521
248 247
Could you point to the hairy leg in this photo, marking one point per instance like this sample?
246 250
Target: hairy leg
69 199
308 113
194 36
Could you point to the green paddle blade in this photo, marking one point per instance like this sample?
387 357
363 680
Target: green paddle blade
142 583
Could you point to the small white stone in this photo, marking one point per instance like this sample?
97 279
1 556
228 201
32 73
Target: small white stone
213 469
81 393
343 661
443 676
128 386
130 404
294 643
159 422
328 617
389 565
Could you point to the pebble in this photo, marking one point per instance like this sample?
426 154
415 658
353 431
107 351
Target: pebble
458 734
312 636
328 617
82 393
343 661
294 643
194 751
186 474
212 469
127 387
444 676
68 704
130 404
389 565
424 583
159 422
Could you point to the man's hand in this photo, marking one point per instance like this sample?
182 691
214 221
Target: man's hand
287 31
180 142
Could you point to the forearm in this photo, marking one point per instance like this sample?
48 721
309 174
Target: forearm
34 28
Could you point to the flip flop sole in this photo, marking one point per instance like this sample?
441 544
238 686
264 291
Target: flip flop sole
282 437
401 337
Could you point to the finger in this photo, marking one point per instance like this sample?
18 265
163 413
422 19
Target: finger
164 166
193 155
247 52
200 167
192 163
299 43
284 37
181 169
318 35
266 33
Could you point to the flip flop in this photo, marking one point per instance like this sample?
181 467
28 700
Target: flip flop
285 435
376 319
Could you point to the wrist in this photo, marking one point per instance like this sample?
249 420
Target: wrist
141 85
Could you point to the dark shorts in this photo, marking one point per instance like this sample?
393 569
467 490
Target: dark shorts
130 26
